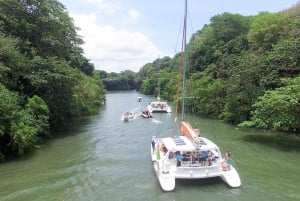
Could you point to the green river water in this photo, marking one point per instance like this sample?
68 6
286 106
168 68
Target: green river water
104 158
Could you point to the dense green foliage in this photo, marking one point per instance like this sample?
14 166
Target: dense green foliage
44 78
125 80
278 109
241 69
129 80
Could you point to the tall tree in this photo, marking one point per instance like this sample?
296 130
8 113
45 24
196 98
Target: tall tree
45 29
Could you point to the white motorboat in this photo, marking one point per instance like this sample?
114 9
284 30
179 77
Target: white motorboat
188 155
127 116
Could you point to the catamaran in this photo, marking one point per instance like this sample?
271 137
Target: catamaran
157 106
189 155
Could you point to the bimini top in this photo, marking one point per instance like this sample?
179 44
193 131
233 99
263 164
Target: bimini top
183 143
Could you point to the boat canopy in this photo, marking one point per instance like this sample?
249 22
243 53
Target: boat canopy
178 144
183 143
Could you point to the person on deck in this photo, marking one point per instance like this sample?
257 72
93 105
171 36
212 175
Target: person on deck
153 144
203 157
178 158
194 157
226 164
210 158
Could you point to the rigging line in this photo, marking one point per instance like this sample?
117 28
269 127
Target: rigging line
177 41
184 60
192 28
180 70
191 24
187 108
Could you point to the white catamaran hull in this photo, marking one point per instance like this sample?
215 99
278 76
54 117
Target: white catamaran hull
165 177
231 177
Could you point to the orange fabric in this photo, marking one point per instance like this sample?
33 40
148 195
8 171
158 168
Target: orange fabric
185 130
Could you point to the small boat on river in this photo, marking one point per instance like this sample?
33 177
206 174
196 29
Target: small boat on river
146 114
127 116
188 155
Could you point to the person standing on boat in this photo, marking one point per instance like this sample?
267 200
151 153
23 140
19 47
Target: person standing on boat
203 157
153 144
164 149
226 164
210 158
158 155
228 160
194 157
178 158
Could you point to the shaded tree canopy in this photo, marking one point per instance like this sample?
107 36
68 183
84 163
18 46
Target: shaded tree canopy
44 78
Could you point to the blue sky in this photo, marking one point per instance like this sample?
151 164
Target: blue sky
126 34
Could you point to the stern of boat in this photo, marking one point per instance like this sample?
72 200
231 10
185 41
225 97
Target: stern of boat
231 177
166 180
197 172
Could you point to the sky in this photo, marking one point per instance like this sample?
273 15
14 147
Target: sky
124 35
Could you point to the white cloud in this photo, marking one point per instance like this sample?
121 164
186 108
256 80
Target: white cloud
112 49
108 6
116 9
133 14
